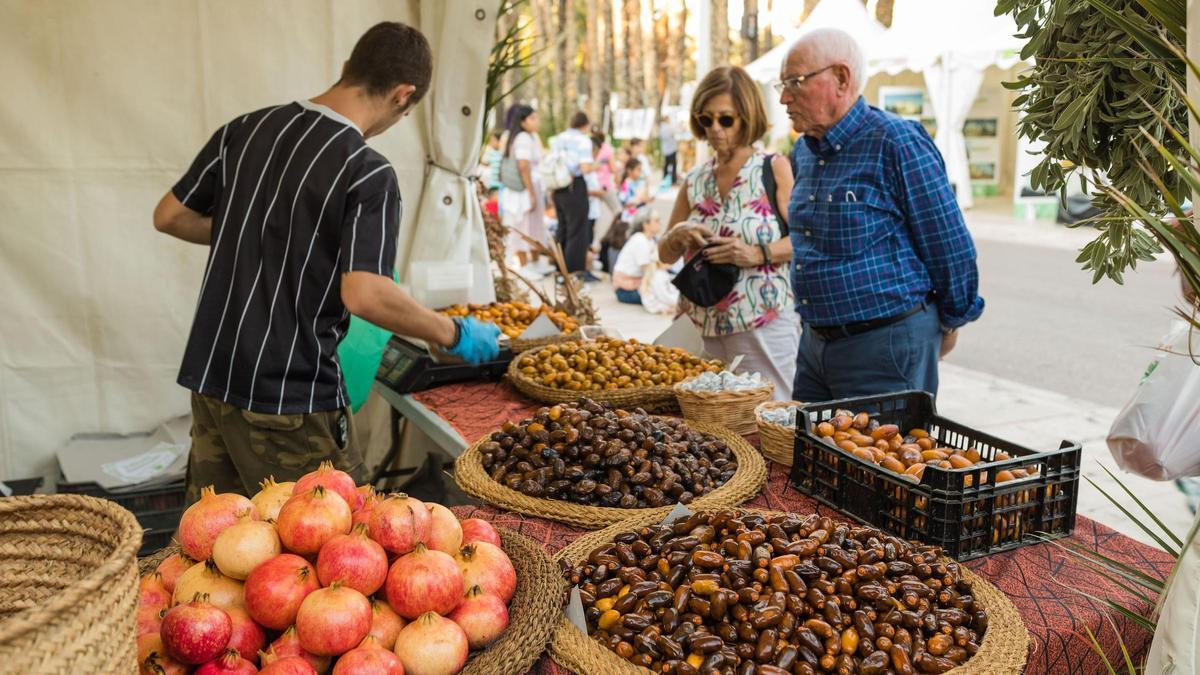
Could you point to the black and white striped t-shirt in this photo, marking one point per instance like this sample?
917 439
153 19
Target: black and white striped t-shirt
297 198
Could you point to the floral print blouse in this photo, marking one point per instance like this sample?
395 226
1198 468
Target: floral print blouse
761 293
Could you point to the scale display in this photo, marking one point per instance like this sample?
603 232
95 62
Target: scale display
407 367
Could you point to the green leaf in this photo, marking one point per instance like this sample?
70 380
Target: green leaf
1100 650
1142 526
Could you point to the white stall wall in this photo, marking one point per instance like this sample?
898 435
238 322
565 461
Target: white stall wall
107 104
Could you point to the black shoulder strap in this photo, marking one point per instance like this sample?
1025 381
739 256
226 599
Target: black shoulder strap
768 179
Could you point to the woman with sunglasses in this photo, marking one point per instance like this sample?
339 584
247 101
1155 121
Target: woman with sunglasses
724 213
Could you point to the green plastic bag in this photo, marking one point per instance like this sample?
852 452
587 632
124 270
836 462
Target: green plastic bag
360 353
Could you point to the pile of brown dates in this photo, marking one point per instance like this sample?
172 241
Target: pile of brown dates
723 592
588 453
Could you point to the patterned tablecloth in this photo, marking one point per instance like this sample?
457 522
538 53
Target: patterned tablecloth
1039 578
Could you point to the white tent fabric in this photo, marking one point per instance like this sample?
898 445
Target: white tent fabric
848 15
953 86
107 105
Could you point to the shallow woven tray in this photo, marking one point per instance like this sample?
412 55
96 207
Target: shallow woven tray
744 485
517 345
776 441
68 585
533 612
1004 649
650 399
731 409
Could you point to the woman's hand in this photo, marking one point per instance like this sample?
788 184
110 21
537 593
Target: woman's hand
689 236
732 250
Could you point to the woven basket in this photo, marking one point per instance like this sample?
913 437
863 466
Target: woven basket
746 482
776 441
68 585
533 612
731 409
650 399
1004 649
517 345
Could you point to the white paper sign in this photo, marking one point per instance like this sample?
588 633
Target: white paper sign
575 611
541 327
144 466
680 511
682 333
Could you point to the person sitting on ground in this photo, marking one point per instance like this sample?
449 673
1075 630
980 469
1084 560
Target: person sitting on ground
637 150
612 242
632 193
637 258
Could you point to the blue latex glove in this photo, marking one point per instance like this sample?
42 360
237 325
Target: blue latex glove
477 341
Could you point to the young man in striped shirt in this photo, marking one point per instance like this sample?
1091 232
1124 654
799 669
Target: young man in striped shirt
301 218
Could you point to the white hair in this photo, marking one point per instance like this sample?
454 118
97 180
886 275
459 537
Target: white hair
829 46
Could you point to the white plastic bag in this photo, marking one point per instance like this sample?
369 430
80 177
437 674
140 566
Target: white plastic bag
1155 434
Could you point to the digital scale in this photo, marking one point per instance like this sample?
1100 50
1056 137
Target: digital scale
408 366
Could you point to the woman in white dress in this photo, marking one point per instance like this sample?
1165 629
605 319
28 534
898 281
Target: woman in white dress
522 210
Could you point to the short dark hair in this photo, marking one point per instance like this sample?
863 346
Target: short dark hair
388 55
579 119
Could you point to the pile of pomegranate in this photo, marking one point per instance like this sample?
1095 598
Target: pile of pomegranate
323 576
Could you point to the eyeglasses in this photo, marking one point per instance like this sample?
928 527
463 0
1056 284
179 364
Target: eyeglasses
793 83
707 120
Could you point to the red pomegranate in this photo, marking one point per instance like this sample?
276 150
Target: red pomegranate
229 663
445 534
288 644
205 578
171 567
363 515
369 658
424 581
287 665
399 523
207 518
247 637
243 546
385 623
149 620
488 566
482 616
432 645
276 588
271 497
309 519
355 560
152 592
333 480
196 632
333 620
474 529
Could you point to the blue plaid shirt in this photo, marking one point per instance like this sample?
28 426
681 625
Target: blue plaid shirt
875 227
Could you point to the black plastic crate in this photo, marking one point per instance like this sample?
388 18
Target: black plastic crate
158 509
956 509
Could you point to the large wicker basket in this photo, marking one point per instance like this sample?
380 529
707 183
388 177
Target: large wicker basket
651 399
68 585
533 612
776 441
1004 650
746 482
731 409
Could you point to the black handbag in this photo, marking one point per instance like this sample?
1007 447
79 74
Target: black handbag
704 283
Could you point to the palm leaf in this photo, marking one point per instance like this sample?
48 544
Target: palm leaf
1099 650
1161 524
1142 526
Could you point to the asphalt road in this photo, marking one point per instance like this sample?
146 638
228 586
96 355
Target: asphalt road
1046 325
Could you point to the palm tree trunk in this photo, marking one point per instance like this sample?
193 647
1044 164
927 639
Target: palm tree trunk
568 27
548 48
749 30
637 78
610 60
719 37
595 74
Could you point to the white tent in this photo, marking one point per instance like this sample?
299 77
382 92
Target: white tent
848 15
951 43
107 105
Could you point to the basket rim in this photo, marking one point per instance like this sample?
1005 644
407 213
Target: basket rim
765 405
468 468
122 558
718 396
567 638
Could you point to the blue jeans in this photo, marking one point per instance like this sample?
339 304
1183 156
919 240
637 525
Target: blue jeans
893 358
629 297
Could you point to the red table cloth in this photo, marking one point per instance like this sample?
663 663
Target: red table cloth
1039 578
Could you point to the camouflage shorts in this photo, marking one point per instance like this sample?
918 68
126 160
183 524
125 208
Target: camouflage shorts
235 449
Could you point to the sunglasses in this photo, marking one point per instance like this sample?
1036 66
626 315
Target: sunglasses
707 120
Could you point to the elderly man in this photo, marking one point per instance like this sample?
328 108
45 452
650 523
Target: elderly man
885 271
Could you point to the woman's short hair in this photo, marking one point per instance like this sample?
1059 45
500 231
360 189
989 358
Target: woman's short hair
747 102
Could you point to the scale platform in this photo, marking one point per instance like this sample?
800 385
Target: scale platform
407 367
